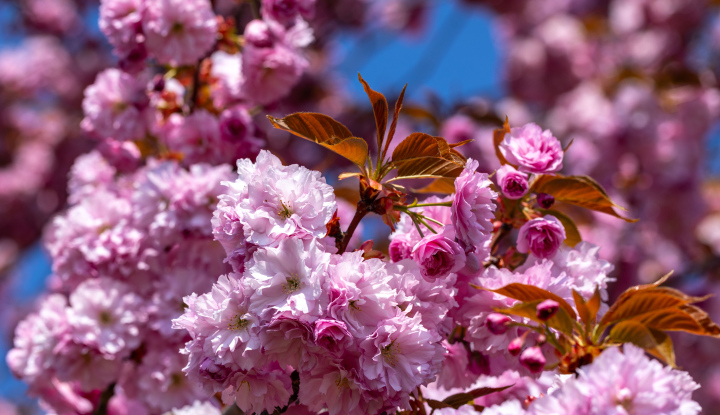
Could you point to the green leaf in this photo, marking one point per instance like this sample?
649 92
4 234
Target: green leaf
572 233
421 155
380 110
581 191
327 132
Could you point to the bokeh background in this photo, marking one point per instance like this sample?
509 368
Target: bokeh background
633 84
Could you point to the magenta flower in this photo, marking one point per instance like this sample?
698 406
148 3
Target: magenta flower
179 32
547 309
286 11
438 255
541 236
512 183
472 209
121 23
533 359
497 323
532 149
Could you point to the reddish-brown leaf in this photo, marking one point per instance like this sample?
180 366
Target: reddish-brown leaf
327 132
655 342
709 328
524 292
594 303
421 155
380 110
577 190
582 308
443 185
393 125
498 136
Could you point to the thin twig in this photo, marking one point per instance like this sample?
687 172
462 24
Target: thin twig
360 213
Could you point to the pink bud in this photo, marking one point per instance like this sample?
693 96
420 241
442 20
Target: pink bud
547 309
545 200
497 323
533 359
515 346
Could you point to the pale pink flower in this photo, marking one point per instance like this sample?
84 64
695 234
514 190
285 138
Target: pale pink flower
400 355
335 388
121 23
288 278
472 209
105 314
624 381
259 390
179 32
116 106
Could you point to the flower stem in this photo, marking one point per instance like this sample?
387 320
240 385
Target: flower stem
255 7
362 210
105 397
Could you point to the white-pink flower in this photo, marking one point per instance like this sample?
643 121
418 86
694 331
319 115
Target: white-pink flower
105 314
116 106
269 202
288 278
179 32
623 382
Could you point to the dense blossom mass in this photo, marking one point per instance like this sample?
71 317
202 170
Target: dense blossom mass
203 264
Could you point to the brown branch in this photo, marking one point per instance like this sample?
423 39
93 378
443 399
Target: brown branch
362 210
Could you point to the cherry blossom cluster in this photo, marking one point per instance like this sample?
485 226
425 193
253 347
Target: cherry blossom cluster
195 273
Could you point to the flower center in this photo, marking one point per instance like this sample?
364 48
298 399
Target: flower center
292 283
284 212
237 323
342 383
105 317
390 352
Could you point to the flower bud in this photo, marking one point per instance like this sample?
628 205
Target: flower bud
497 323
547 309
533 359
478 364
515 346
511 182
545 200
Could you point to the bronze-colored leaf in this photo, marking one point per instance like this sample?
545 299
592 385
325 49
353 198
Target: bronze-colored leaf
572 233
640 303
380 110
327 132
393 124
630 331
577 190
594 303
433 404
347 175
709 328
560 321
422 114
443 185
525 292
498 136
582 308
465 398
421 155
460 144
